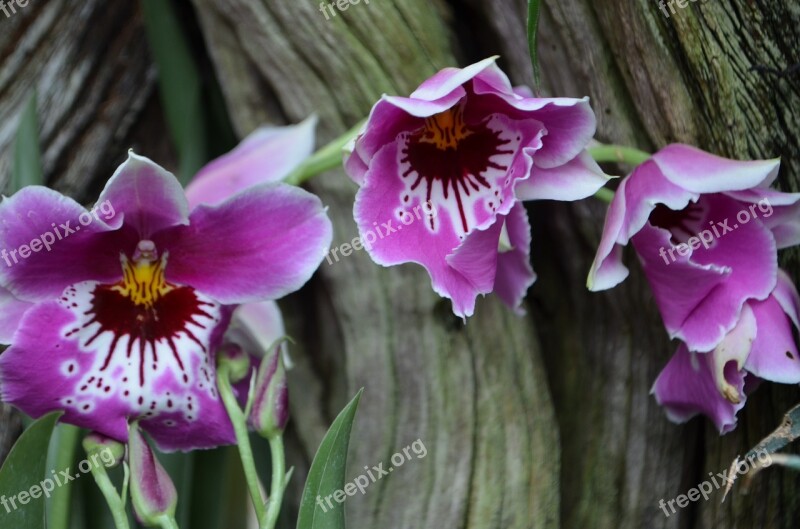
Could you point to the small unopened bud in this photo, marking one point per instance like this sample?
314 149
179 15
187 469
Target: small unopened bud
110 451
235 360
153 494
270 411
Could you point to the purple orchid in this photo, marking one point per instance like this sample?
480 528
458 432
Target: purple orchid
123 315
706 230
442 173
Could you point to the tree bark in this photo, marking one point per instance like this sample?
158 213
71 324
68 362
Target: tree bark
540 421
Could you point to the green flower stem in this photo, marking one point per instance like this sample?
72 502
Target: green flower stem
115 503
278 481
604 194
239 422
167 522
58 516
325 159
618 153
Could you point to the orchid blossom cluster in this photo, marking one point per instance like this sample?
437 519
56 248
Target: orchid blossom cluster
162 319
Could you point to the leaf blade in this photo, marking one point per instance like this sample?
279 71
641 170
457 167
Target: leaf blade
533 25
27 168
25 467
327 473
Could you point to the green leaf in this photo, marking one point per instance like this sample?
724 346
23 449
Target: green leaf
63 445
533 24
180 85
27 169
327 474
24 468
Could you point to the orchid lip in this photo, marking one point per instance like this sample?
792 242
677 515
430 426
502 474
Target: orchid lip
139 329
451 162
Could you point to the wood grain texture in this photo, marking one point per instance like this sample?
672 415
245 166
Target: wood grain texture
90 66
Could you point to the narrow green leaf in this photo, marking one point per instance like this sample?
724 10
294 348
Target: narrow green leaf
180 85
533 24
63 446
327 474
27 169
25 468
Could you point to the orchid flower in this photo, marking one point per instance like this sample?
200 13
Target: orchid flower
706 230
120 318
442 174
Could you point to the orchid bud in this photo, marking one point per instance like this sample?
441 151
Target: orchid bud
270 411
153 494
235 360
110 451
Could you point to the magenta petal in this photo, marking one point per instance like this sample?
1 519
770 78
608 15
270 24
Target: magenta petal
37 218
11 312
785 294
476 257
214 429
256 327
40 371
778 211
680 287
266 155
774 353
390 243
355 166
577 179
514 272
101 378
700 172
607 269
260 244
634 201
686 387
696 306
449 80
148 197
397 227
422 108
570 123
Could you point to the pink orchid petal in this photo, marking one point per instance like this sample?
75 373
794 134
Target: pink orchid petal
774 353
514 272
145 196
701 172
686 388
11 312
47 248
577 179
260 244
268 154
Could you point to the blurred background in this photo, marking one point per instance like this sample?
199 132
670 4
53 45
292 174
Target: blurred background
537 421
